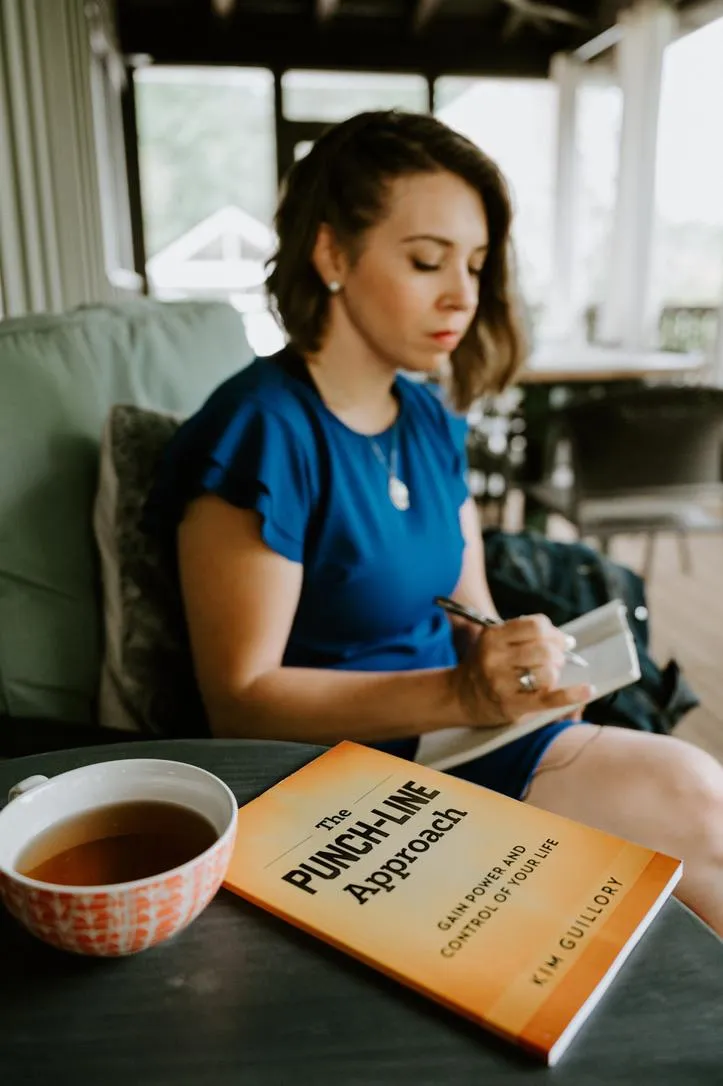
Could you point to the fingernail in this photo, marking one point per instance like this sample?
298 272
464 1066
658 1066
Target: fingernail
570 641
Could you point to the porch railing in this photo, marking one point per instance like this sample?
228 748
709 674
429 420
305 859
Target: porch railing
680 327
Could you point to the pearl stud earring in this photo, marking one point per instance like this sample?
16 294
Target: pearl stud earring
334 286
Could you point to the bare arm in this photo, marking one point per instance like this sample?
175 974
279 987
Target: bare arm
472 589
240 599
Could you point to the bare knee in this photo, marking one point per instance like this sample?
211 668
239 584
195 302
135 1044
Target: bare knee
693 794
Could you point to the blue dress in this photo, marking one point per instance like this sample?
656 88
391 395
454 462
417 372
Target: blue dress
265 440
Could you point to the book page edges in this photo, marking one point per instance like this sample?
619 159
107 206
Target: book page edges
552 1027
461 1009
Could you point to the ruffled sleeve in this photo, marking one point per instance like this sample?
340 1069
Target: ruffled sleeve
259 462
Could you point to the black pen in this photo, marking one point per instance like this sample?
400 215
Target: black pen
471 615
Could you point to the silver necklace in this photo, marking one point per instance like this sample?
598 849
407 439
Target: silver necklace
397 490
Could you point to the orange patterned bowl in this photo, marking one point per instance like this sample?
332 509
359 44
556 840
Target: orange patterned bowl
124 917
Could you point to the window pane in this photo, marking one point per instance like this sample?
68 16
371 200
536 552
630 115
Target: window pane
597 142
513 121
208 175
688 243
334 96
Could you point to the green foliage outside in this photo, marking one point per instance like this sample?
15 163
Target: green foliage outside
209 141
203 146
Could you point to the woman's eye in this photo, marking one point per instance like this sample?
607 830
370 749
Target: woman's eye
476 272
421 266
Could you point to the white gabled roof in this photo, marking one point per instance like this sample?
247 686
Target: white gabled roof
222 223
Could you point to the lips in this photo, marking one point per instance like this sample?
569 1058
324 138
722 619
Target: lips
446 338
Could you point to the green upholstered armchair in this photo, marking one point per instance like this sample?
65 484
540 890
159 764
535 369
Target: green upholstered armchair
59 377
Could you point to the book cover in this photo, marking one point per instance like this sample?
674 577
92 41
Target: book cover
511 916
603 638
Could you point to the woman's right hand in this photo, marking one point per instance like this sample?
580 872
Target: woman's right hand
487 679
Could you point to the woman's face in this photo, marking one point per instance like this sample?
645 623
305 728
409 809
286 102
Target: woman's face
413 289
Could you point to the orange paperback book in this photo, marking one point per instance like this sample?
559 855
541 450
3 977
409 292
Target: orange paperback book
514 917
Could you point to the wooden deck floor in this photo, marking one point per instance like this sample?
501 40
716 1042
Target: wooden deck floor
686 617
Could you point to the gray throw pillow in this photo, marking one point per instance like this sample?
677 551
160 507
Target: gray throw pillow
147 682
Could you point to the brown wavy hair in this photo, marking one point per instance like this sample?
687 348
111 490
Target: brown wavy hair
343 181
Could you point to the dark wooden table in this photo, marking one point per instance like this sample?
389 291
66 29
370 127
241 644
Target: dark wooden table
243 998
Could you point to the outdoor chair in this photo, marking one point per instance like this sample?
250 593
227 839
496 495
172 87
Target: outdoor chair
641 461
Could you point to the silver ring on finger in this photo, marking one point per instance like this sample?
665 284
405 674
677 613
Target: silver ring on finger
527 682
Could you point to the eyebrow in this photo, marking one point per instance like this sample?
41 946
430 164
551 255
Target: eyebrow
444 241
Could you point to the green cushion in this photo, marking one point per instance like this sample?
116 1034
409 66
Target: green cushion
59 376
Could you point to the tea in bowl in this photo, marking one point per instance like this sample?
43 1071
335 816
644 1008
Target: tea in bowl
114 857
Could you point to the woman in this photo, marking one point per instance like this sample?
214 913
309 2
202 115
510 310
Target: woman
318 505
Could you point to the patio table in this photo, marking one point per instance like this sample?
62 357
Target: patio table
571 363
242 997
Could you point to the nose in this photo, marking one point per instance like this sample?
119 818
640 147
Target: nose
461 289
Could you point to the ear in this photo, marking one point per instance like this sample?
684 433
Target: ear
328 257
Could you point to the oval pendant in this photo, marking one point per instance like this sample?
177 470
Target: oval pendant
398 493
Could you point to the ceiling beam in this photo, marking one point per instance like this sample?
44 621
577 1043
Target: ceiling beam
599 44
694 14
259 44
324 9
423 12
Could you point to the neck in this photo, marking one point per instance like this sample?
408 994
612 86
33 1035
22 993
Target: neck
354 382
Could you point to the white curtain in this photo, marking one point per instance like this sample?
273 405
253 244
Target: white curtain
64 240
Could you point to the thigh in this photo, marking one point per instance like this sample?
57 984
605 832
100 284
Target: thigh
638 785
